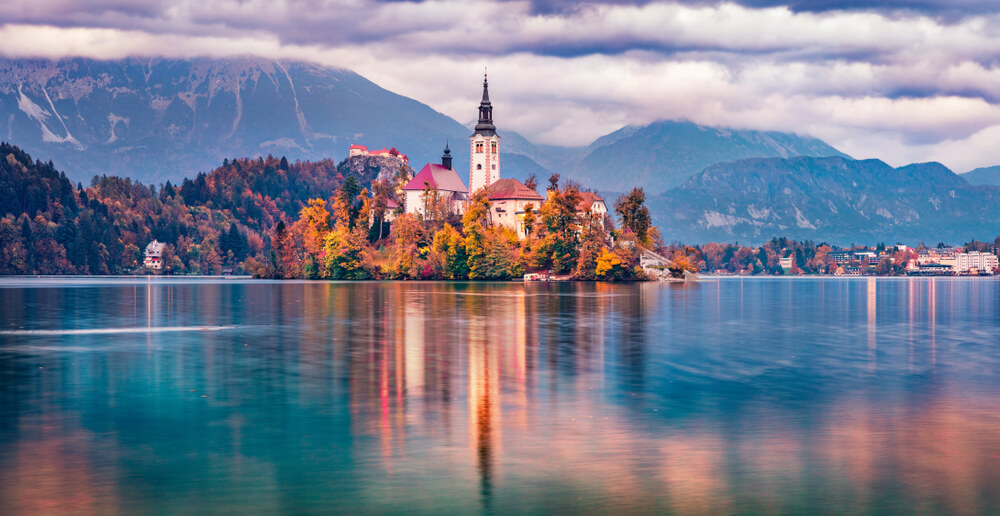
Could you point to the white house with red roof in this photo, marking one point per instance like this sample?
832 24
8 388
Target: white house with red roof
592 203
440 178
509 199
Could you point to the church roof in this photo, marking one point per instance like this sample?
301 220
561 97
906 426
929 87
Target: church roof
437 176
511 189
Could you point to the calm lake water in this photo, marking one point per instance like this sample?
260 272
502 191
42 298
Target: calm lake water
861 396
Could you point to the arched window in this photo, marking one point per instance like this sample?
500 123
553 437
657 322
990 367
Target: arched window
479 147
494 166
493 147
479 166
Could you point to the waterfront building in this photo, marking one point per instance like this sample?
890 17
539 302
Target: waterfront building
484 146
975 262
436 187
154 256
509 199
840 257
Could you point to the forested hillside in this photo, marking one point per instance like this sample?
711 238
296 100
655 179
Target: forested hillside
210 223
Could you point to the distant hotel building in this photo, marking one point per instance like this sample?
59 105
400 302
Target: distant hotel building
975 261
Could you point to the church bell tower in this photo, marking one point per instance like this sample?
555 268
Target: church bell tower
484 166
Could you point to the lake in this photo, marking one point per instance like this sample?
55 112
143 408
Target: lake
735 395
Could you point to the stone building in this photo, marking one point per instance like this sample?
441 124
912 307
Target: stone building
508 200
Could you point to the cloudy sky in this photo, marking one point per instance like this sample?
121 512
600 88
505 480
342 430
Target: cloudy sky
904 81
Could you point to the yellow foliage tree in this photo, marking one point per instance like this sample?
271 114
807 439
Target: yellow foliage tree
609 265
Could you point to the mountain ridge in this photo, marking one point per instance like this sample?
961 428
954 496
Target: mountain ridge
663 154
983 176
831 199
155 119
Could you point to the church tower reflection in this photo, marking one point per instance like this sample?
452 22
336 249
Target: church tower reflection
484 396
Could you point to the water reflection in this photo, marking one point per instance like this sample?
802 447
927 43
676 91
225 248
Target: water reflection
742 395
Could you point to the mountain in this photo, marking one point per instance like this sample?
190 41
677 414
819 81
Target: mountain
983 176
664 154
160 119
831 199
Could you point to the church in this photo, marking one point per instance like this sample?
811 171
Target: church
508 197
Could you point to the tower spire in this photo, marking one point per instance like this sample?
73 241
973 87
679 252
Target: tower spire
485 125
486 91
446 157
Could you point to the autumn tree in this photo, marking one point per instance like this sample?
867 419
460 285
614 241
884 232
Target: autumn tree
532 183
476 221
408 236
558 248
313 226
593 240
450 248
634 214
611 265
380 207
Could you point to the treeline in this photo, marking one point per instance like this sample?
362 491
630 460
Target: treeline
336 239
210 224
806 257
273 219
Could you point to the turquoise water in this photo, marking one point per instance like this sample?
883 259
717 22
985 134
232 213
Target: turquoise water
808 396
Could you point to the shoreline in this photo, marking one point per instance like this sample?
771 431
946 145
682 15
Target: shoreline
248 279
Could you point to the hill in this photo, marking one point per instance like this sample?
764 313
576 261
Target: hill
983 176
832 199
664 154
211 222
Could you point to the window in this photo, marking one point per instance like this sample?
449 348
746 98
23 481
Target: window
479 147
479 166
494 166
493 147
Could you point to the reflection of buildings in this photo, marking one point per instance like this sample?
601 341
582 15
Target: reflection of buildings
872 321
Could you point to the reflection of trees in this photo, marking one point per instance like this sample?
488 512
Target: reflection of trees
632 340
362 381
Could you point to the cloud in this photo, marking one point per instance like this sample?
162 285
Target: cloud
902 81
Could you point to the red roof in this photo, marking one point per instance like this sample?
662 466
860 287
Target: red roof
437 176
391 204
359 147
587 200
512 189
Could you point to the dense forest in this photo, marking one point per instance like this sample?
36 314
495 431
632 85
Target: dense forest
210 223
276 219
